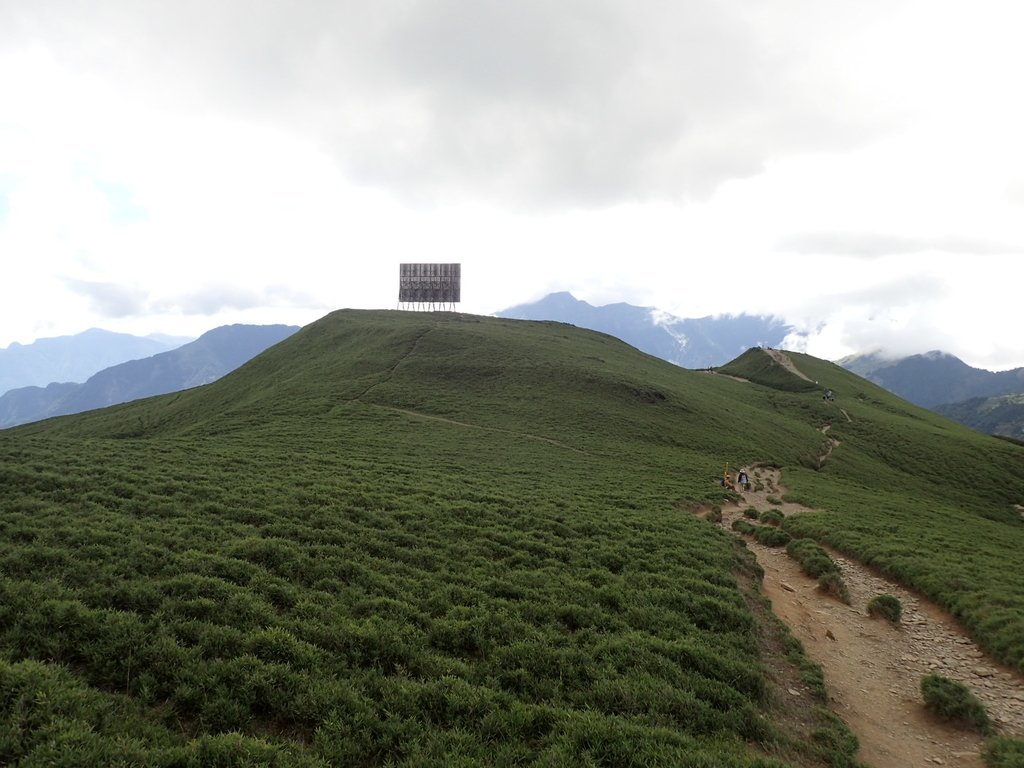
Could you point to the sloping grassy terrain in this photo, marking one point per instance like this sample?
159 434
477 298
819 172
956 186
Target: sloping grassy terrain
406 539
394 539
926 500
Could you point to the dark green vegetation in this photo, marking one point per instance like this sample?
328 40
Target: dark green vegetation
392 539
771 517
744 526
757 366
953 701
816 563
927 501
887 606
833 584
771 536
415 539
768 535
1000 415
1004 753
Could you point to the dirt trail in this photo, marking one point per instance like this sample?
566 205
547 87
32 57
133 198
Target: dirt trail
784 360
873 669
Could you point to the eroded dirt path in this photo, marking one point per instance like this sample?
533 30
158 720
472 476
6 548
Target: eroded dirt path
786 362
873 669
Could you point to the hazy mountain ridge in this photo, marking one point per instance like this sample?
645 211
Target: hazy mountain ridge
202 361
75 358
686 342
934 378
988 401
1001 415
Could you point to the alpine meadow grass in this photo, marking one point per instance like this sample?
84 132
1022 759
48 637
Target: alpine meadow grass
438 539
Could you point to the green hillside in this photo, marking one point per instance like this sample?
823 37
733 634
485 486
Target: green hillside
926 500
438 539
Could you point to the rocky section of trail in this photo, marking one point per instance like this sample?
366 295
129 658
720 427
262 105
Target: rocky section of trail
873 669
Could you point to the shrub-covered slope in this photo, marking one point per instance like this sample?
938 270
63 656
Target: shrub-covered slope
927 500
420 539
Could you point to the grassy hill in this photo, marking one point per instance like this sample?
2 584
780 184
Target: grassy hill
412 539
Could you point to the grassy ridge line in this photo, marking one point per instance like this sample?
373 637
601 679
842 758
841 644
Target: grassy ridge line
583 389
277 556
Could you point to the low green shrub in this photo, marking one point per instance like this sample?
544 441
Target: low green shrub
834 742
886 606
774 501
771 517
1002 752
742 526
765 534
771 537
953 701
831 583
751 513
814 561
714 514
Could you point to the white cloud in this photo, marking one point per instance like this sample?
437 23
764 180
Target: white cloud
854 168
870 245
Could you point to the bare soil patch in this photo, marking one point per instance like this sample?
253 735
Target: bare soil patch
872 668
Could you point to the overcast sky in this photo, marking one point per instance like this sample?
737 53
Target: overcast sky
855 168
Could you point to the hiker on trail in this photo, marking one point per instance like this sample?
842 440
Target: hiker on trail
828 395
743 481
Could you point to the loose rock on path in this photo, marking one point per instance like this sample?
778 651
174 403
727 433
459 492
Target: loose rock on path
873 669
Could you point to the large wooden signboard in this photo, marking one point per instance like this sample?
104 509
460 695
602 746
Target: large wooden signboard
429 286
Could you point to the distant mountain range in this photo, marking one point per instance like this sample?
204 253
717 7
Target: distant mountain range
984 400
1002 415
690 343
206 359
75 358
934 378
